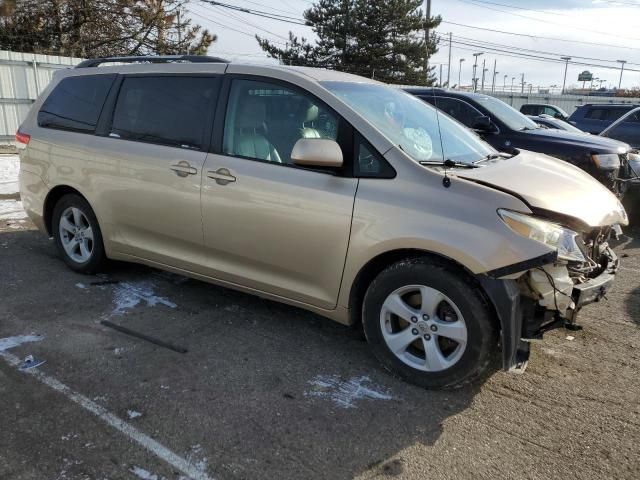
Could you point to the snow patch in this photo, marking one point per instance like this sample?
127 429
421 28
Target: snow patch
143 474
128 295
81 286
344 393
133 414
9 170
12 210
12 342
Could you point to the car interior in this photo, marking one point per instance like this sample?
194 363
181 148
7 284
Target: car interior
265 121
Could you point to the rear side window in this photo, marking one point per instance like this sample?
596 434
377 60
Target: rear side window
461 111
75 103
530 109
167 110
609 114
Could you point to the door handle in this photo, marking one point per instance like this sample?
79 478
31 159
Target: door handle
182 169
222 176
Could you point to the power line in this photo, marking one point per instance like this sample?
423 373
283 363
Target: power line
507 53
244 22
540 37
523 8
259 13
609 34
539 51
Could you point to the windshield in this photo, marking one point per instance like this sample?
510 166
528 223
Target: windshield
411 123
508 115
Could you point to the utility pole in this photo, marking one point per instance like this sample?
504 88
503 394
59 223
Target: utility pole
449 66
426 37
440 77
179 33
504 83
484 70
474 79
512 80
460 73
522 83
621 62
493 83
566 66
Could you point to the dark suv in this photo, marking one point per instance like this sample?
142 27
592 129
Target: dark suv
508 130
544 109
594 118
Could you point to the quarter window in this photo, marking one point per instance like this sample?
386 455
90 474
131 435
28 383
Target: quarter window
75 103
168 110
265 120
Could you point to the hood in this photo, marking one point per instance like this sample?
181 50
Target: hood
553 185
593 142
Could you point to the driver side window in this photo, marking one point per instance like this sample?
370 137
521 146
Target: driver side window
265 120
461 111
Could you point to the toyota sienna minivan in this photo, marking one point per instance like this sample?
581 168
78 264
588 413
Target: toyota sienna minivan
323 190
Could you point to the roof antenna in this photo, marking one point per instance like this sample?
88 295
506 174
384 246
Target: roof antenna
446 181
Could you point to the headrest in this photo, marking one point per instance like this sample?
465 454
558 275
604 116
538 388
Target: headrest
252 113
311 114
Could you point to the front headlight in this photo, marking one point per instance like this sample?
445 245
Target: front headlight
606 161
549 233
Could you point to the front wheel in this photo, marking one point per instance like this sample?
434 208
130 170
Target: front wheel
77 234
428 324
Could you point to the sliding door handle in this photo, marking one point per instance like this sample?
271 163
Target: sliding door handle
222 176
183 169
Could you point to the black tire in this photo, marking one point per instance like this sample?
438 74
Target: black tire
97 257
478 358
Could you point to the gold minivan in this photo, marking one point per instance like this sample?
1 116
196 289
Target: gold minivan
323 190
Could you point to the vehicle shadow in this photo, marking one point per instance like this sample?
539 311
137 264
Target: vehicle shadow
266 390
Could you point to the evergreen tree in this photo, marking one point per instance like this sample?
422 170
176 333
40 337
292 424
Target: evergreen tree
100 28
382 39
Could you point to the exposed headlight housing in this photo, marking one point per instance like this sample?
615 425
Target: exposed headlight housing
634 164
606 161
551 234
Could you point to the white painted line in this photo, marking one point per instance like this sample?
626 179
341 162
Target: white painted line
159 450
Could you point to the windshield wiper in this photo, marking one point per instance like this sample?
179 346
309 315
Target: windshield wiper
448 164
490 156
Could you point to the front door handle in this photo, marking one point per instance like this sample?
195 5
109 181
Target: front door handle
222 176
183 169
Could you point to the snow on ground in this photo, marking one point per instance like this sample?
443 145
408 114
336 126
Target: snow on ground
10 207
9 167
12 210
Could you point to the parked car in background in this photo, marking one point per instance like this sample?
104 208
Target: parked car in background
550 122
544 109
508 130
594 117
626 128
324 190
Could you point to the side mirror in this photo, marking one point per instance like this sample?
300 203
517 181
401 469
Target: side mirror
483 124
317 152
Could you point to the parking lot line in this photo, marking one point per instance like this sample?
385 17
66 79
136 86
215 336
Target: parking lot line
181 464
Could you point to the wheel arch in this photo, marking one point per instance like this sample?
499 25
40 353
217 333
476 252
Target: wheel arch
498 296
377 264
54 195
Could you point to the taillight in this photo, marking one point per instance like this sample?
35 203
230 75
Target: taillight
22 139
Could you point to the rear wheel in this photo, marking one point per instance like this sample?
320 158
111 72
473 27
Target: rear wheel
77 234
428 324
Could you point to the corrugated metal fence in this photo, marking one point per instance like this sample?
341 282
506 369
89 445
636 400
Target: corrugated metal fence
22 77
567 102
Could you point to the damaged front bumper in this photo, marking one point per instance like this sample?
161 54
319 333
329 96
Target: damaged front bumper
527 309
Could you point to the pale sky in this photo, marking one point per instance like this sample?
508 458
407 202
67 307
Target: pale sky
609 28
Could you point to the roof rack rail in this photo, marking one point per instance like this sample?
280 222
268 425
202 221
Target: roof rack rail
94 62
